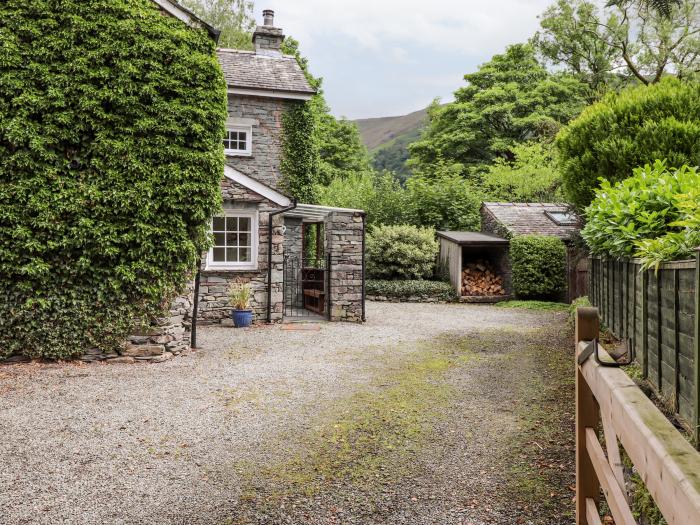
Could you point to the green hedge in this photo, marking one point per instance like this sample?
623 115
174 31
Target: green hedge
630 129
654 215
401 252
438 290
111 119
538 266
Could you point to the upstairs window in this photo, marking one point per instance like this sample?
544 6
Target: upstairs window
238 141
235 241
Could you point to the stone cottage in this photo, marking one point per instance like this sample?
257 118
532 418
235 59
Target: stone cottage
259 236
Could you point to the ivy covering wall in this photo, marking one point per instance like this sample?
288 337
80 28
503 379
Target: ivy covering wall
111 118
299 163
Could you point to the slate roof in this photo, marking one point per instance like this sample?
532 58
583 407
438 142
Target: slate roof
531 218
473 238
248 70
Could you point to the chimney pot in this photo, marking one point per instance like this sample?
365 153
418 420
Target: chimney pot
269 17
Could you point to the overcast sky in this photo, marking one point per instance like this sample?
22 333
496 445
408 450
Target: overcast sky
390 57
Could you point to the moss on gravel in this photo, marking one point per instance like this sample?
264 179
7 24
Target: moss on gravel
370 438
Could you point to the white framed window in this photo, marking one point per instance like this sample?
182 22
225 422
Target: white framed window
238 141
235 241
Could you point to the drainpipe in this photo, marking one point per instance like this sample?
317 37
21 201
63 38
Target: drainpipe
269 256
195 307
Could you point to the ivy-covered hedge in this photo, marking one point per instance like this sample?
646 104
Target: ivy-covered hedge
538 265
630 129
423 290
111 119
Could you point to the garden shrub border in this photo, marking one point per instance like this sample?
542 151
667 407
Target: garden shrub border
418 291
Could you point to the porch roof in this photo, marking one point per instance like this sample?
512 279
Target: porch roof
311 213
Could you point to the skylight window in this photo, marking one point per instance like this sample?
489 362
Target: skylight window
562 218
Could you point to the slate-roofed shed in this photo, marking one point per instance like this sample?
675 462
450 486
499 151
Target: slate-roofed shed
527 218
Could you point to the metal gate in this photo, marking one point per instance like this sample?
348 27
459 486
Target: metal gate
306 287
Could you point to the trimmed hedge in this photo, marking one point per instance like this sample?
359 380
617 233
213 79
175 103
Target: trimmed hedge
538 266
111 119
401 252
436 290
630 129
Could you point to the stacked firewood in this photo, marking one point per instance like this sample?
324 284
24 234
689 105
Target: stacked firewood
479 278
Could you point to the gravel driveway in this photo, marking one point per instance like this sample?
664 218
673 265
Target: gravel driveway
427 414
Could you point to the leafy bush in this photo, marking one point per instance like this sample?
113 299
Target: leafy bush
444 200
531 177
654 215
538 265
111 118
630 129
379 194
534 305
437 290
401 252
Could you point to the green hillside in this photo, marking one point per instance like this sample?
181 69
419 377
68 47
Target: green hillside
387 139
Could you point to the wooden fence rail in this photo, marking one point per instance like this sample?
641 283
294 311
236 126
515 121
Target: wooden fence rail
657 313
668 465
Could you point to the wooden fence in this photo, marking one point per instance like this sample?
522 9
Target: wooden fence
607 399
657 313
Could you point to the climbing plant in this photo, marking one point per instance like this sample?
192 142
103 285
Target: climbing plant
111 118
299 164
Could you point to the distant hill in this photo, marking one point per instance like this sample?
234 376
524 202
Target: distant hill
387 139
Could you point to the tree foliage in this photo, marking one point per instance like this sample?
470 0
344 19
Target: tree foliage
532 175
629 129
538 266
633 40
234 18
111 118
654 214
510 99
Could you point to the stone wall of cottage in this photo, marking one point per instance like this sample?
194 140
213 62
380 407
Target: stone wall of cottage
489 224
265 116
344 243
214 306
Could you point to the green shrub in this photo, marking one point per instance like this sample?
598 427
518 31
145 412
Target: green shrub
401 252
654 215
538 265
111 118
444 200
630 129
437 290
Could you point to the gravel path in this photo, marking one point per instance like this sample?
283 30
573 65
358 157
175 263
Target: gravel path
207 438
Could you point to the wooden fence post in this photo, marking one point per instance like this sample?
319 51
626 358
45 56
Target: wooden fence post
696 349
587 416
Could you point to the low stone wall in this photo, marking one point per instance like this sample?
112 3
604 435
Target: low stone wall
165 338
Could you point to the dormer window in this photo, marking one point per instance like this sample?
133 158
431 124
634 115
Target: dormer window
238 141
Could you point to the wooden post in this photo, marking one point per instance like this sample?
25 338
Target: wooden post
697 349
587 416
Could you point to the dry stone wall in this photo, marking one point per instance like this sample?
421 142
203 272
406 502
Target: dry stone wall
344 233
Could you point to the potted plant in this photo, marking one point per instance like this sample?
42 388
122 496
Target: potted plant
239 297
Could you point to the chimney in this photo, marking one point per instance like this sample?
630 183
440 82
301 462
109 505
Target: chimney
267 38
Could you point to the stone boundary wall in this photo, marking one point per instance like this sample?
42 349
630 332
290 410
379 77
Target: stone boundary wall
344 244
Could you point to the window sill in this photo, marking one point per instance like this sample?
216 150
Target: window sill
231 269
237 154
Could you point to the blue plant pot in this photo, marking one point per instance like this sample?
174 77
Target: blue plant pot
242 318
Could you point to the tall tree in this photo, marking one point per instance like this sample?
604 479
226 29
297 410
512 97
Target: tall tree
510 99
631 39
234 18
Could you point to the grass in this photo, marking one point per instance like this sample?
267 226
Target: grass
535 305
